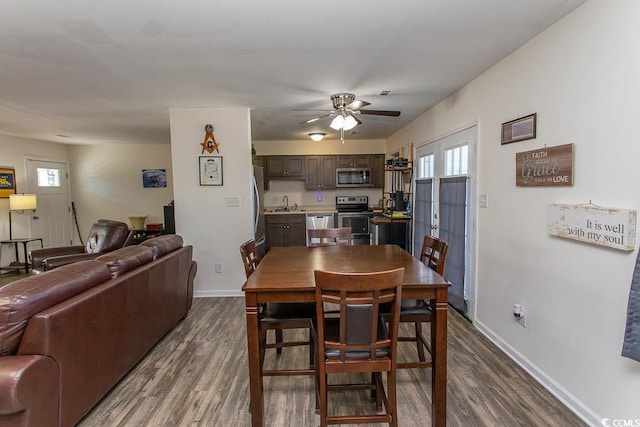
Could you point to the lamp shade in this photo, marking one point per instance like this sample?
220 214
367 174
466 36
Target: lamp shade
22 202
349 122
317 136
337 123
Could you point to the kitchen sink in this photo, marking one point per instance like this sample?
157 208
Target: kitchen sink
286 210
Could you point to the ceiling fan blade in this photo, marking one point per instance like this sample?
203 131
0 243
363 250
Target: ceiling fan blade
380 113
357 104
309 109
315 119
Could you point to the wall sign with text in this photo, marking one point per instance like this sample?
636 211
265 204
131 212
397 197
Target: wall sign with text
519 129
614 228
549 166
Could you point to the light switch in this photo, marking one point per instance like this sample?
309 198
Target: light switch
484 200
233 202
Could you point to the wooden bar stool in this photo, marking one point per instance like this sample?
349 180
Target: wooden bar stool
329 236
278 317
433 255
358 340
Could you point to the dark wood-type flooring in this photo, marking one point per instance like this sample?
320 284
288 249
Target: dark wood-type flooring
198 375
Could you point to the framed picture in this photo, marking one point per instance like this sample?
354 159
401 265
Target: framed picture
154 178
210 170
7 182
519 129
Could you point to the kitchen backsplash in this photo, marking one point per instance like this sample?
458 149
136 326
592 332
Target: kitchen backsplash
296 193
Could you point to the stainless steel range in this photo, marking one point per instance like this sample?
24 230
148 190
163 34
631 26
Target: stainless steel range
354 212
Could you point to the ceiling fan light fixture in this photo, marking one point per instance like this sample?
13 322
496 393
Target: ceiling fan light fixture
317 136
338 122
349 122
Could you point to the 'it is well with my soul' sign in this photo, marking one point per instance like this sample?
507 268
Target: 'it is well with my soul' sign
614 228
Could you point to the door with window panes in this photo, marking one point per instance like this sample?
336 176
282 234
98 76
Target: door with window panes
52 220
442 208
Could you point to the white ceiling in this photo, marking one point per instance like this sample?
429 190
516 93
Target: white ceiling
109 71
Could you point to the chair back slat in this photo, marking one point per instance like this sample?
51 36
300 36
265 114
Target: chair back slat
250 257
434 253
329 236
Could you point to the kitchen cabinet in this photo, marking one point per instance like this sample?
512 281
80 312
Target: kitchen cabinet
285 167
321 172
257 161
354 161
376 163
286 230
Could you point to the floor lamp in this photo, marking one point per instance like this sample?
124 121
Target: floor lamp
20 203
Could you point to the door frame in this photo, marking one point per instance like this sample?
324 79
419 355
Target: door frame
27 159
472 248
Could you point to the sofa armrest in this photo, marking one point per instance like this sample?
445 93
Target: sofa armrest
29 390
58 261
39 255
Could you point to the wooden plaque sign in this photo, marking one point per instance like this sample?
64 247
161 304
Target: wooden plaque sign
614 228
549 166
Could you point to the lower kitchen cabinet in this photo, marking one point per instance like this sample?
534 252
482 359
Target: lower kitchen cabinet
393 232
286 230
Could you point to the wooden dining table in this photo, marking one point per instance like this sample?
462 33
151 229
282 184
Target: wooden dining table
285 274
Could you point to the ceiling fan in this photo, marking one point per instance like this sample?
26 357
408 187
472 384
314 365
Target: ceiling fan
345 107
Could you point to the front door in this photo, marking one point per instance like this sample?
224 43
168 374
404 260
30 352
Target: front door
442 208
49 181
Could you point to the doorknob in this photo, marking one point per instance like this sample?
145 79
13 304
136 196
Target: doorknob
36 217
434 226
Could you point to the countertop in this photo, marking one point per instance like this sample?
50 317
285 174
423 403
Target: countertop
274 210
271 210
386 219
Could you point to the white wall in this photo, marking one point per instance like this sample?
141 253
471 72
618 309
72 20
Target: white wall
106 182
326 146
581 77
14 151
202 218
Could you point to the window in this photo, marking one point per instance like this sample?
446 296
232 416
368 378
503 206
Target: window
48 177
456 161
425 167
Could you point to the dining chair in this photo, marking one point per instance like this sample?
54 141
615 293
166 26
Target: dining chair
357 339
329 236
278 317
433 254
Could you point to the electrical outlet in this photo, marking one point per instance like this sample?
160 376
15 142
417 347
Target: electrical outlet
218 267
522 320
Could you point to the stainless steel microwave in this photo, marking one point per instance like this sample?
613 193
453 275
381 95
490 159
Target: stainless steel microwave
353 177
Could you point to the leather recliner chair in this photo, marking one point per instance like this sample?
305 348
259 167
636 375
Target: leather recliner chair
105 236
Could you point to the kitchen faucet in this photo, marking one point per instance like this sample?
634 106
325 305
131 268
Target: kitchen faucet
285 200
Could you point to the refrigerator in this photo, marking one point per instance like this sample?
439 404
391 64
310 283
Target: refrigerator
257 210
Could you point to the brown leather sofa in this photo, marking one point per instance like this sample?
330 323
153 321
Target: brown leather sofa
105 236
68 335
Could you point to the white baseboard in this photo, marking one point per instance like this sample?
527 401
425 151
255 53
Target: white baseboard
217 294
568 399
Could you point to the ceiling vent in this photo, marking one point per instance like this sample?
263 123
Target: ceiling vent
384 92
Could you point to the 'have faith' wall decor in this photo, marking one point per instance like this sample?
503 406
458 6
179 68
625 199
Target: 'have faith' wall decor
549 166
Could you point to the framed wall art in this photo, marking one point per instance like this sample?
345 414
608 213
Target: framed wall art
7 182
210 170
154 178
519 129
